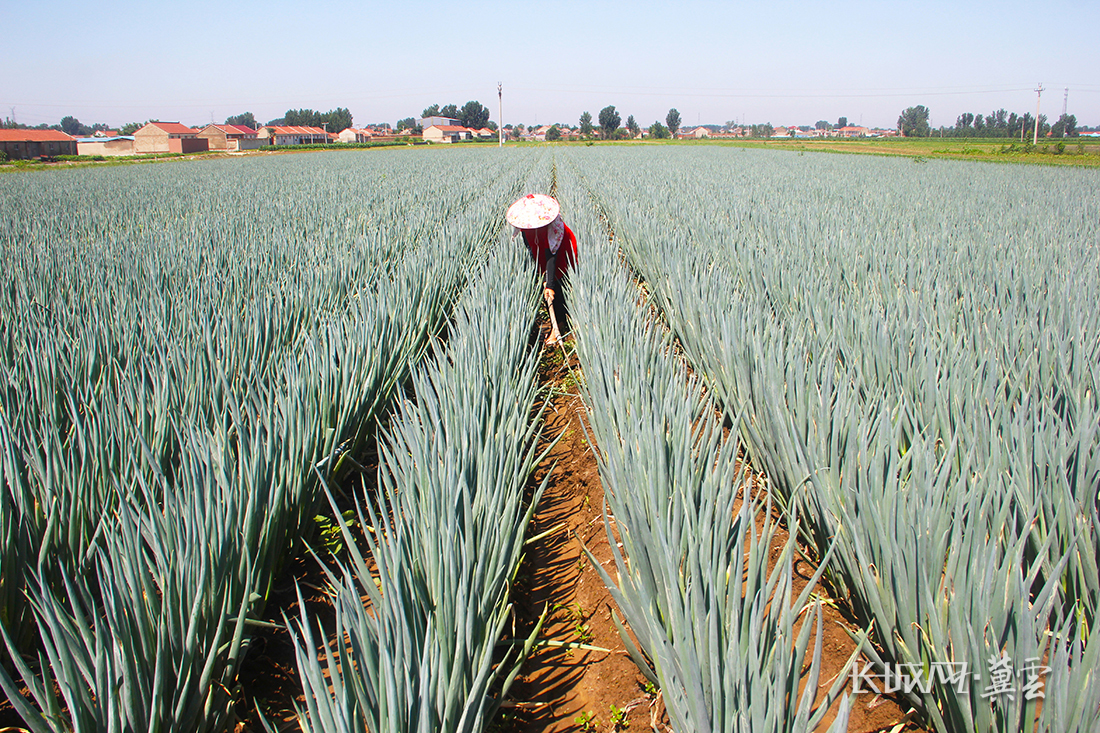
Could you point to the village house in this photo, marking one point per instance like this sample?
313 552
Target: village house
355 135
425 122
852 131
106 146
694 133
168 137
447 133
228 137
294 135
26 144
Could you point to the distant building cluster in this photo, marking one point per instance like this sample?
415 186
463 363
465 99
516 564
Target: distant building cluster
173 137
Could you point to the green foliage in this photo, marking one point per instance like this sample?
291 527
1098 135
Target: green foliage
246 119
473 115
406 124
762 131
672 119
586 721
450 521
913 122
927 446
609 121
715 626
192 368
337 119
658 131
72 126
554 133
632 126
586 123
431 111
1066 126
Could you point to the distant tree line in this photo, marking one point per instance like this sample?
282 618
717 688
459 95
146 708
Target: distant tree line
913 122
1001 123
336 120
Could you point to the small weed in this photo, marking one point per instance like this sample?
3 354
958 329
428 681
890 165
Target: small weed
650 689
332 538
580 628
586 720
618 718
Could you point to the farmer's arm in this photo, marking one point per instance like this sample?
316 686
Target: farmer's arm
551 276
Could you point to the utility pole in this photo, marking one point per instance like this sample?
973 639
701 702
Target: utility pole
1065 104
1038 98
500 114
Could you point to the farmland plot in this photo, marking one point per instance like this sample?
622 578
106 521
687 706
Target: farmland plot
184 352
920 380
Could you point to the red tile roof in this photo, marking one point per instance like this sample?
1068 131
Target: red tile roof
451 128
233 129
173 128
34 136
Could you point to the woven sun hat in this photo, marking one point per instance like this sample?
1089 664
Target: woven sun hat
533 211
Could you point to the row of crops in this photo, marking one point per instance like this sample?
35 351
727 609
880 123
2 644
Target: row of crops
714 614
906 352
190 356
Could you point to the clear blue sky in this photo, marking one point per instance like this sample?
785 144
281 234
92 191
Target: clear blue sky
780 62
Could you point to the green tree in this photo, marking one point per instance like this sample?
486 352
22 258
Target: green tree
964 124
632 126
246 119
337 119
1066 126
586 123
658 131
72 126
842 122
764 130
609 121
672 119
913 122
131 127
554 133
449 111
474 115
432 111
407 124
822 125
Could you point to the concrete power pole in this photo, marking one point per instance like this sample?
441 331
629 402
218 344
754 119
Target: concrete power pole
1038 98
500 114
1065 105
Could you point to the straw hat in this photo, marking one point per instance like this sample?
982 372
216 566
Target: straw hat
533 211
537 210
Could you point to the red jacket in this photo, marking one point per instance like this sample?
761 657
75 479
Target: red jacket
538 242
